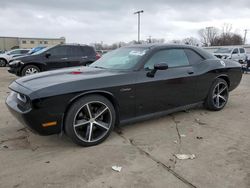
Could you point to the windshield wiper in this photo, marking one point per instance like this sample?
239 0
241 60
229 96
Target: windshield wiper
98 67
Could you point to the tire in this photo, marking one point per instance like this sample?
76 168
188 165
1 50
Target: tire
90 120
3 62
217 96
30 69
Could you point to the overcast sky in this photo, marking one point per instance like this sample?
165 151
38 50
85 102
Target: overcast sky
87 21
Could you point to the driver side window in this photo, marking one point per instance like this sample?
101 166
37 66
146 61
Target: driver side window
172 57
59 51
15 52
235 51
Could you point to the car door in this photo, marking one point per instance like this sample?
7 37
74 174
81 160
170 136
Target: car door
88 55
235 54
169 88
81 56
242 54
75 56
202 75
57 57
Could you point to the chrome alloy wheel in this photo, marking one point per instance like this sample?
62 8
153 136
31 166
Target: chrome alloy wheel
31 70
92 121
220 95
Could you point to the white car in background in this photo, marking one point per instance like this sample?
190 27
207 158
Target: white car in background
234 53
7 56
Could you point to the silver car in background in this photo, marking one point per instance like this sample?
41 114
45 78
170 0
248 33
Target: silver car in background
7 56
234 53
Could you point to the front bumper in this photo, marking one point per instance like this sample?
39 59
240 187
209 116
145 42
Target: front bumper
13 70
33 117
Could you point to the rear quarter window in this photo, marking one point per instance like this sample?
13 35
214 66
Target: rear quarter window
193 57
88 51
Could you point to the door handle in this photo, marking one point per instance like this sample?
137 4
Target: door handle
65 58
190 72
84 57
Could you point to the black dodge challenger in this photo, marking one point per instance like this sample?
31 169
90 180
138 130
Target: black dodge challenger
124 86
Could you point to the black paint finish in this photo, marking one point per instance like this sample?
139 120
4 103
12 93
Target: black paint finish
132 92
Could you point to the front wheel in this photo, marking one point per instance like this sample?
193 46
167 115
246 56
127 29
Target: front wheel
30 69
90 120
218 95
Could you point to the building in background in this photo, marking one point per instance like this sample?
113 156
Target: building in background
8 43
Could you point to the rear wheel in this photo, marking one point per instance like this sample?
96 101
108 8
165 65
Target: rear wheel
3 62
218 95
30 69
90 120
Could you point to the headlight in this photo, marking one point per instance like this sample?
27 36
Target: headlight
16 62
22 97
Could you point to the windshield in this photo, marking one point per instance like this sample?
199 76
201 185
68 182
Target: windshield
41 51
34 50
120 59
224 50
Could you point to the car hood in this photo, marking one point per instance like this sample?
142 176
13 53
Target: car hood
65 80
222 54
25 58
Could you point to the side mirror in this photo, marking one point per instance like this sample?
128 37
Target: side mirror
161 66
47 54
158 66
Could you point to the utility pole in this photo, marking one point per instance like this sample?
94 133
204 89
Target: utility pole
139 23
149 39
245 36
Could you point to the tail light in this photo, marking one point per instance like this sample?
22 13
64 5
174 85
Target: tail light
98 56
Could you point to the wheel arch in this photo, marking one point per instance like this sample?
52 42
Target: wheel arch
3 59
105 94
41 66
221 76
6 61
224 77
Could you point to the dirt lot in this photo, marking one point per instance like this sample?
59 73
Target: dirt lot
220 141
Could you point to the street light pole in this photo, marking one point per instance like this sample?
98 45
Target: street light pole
245 36
139 23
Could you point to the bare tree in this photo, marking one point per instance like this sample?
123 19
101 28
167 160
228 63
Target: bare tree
208 35
191 41
228 39
226 29
155 40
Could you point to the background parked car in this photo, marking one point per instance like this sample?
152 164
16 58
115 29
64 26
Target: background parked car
7 56
59 56
237 54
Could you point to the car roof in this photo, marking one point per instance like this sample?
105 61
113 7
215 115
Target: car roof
74 45
230 47
201 51
151 46
21 49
